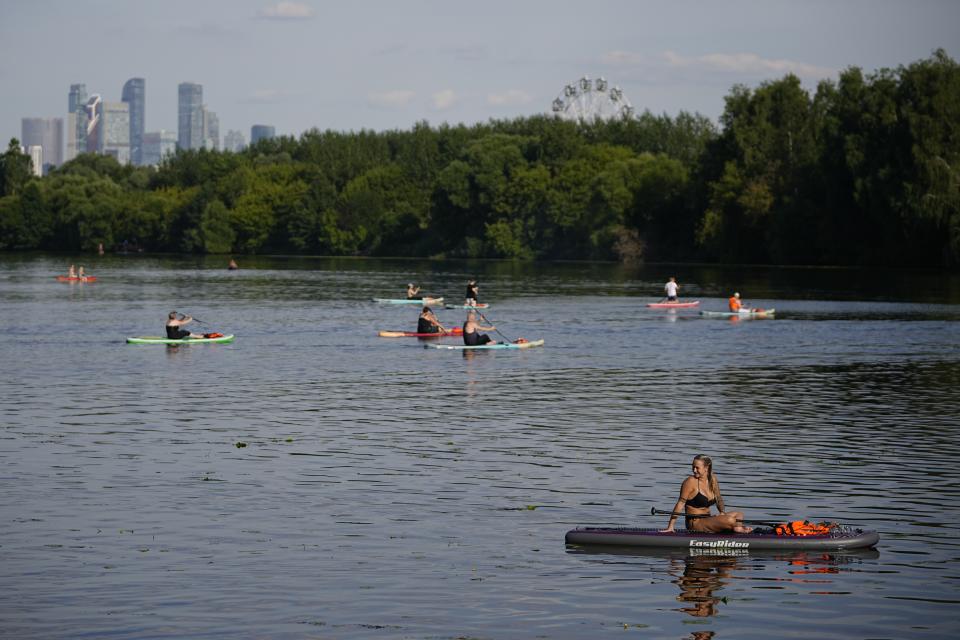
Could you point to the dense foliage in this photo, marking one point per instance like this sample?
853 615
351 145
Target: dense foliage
864 171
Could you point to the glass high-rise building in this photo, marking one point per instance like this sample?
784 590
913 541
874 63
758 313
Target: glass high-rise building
190 116
46 133
134 94
115 130
76 121
233 141
261 132
91 124
35 152
157 145
108 128
211 130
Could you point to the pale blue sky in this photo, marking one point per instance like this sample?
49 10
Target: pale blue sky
384 64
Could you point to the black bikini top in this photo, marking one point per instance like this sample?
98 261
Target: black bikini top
701 501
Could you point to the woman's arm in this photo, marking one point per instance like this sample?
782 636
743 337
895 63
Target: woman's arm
685 494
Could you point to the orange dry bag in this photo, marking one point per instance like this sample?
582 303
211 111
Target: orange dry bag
803 528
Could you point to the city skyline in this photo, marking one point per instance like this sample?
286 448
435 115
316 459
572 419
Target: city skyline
300 65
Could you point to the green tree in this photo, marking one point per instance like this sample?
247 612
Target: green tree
14 169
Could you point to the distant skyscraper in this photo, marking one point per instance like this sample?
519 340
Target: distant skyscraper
46 133
108 128
260 132
134 94
233 141
190 116
35 152
91 114
157 145
76 121
211 130
114 136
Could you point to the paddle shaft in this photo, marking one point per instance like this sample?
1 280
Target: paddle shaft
480 313
659 512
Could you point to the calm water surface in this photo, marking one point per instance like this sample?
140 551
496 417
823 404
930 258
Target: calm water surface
391 491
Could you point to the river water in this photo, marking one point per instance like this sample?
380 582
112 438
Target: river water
312 480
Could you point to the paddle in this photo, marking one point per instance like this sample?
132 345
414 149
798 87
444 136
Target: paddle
659 512
480 313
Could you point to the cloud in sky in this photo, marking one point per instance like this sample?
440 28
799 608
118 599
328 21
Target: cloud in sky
734 63
394 99
509 98
444 99
286 11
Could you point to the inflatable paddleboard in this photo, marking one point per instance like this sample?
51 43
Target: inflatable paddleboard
456 331
842 538
672 305
489 346
743 313
426 301
162 340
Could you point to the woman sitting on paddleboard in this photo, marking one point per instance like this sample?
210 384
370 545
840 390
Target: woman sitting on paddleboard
698 493
471 332
412 292
428 323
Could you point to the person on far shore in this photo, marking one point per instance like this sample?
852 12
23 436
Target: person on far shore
471 332
473 294
100 248
233 266
735 303
174 324
671 289
413 293
698 493
428 322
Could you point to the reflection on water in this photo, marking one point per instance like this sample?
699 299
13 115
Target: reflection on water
395 491
709 582
701 583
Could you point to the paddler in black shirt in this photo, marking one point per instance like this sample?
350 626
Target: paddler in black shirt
471 332
473 294
174 332
428 323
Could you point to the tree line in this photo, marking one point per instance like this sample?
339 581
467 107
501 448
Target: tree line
865 170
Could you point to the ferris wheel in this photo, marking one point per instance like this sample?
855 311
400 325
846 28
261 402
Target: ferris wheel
589 100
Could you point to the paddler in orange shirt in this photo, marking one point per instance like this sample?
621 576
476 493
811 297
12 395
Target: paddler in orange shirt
734 303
